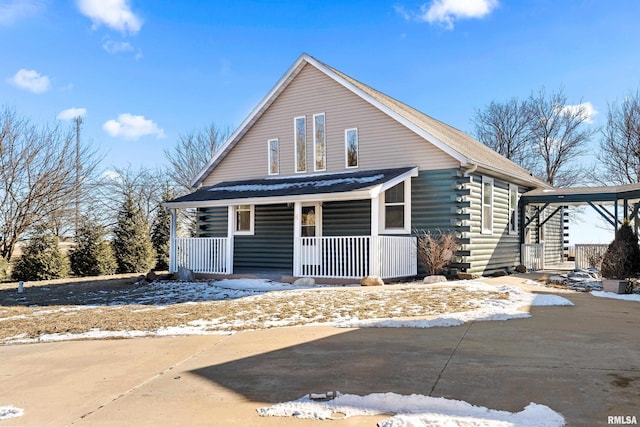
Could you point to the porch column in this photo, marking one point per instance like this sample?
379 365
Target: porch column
230 231
173 224
374 248
297 222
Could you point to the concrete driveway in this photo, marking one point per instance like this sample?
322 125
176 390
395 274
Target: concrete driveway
581 361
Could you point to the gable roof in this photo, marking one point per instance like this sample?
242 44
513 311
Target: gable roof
462 147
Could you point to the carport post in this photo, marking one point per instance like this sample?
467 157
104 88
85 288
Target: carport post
172 241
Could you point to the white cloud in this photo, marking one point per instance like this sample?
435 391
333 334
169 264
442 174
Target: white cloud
585 109
132 127
116 47
445 12
13 10
71 113
115 14
30 80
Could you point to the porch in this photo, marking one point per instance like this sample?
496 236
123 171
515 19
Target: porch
343 257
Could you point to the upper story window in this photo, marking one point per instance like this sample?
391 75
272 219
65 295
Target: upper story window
274 156
300 143
351 147
487 205
319 142
513 209
244 218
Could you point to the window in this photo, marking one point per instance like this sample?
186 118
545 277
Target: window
244 219
513 209
274 157
487 205
300 143
395 209
319 142
351 147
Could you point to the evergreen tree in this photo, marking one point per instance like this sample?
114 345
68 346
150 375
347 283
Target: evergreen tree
41 258
93 255
622 258
160 236
132 244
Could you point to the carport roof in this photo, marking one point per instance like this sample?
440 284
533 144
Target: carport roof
581 195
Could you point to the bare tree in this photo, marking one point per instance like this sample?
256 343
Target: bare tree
620 143
37 175
192 152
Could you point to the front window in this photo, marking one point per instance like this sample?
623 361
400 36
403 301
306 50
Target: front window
300 137
487 205
274 157
244 218
319 142
351 147
394 207
513 209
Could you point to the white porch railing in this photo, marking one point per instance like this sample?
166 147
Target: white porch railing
589 255
356 256
202 254
532 256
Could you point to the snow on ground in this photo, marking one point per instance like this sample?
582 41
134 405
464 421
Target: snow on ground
7 412
414 410
547 300
626 297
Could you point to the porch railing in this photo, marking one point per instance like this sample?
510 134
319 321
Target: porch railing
356 256
203 254
532 256
589 255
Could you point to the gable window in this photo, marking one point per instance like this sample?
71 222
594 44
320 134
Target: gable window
395 208
487 205
319 143
300 143
351 147
274 157
513 209
244 218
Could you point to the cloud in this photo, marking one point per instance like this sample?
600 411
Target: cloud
445 12
30 80
132 127
116 47
71 113
115 14
13 10
585 109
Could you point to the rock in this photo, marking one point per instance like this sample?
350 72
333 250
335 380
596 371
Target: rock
185 275
305 281
468 276
371 281
434 279
521 269
152 276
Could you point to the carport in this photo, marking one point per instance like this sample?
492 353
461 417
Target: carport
613 203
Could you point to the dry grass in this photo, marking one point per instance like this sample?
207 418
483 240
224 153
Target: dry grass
79 308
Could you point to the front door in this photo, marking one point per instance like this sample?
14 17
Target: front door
310 231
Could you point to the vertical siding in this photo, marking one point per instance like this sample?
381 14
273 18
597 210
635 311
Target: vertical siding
498 250
212 222
346 218
271 246
383 142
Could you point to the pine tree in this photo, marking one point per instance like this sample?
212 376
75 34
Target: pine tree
132 244
622 258
160 236
93 255
41 258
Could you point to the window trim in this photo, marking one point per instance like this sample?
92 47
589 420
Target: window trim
406 229
346 148
514 214
486 180
250 231
269 158
315 143
295 143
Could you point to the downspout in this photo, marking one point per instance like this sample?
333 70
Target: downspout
470 169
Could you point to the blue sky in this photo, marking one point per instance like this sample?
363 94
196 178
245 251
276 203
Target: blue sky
143 72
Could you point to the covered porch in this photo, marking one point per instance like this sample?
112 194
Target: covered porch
322 226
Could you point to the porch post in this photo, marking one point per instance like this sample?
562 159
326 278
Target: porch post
297 221
230 231
374 248
173 223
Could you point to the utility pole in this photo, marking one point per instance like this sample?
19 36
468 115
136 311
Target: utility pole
78 121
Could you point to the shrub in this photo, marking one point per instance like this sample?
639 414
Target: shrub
622 258
131 243
93 255
41 258
160 236
436 249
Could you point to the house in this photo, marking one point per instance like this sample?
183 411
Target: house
328 177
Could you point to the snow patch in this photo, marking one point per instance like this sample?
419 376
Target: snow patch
626 297
414 410
549 300
304 184
7 412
